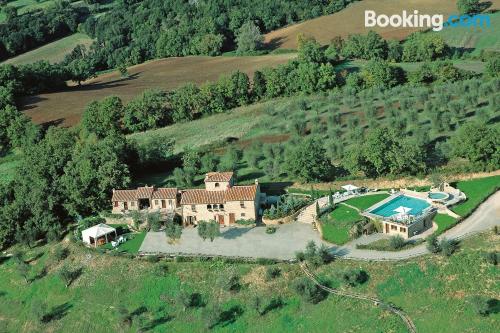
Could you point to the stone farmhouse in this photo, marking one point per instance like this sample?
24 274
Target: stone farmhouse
221 200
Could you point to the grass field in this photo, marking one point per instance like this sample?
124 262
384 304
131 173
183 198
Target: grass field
476 190
477 39
66 107
351 21
366 201
337 224
421 287
132 245
52 52
24 6
444 222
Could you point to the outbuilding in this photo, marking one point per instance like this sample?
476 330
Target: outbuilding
98 234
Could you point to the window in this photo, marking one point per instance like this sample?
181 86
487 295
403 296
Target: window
221 207
132 204
242 204
170 203
116 203
393 227
402 229
209 207
215 206
242 214
193 208
217 185
156 202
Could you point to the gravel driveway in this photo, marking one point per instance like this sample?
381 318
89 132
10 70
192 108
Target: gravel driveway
243 242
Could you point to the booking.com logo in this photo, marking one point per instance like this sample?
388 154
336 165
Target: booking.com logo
416 20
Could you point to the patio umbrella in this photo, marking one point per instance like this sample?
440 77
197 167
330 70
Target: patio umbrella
402 210
350 187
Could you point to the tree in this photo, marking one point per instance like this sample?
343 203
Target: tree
259 85
209 44
468 6
309 50
81 69
448 246
492 68
424 47
308 160
210 230
249 37
103 118
379 73
122 69
148 111
24 270
173 231
479 144
481 305
154 221
67 275
96 168
185 102
39 310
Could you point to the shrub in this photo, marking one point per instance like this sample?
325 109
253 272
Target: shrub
354 277
245 222
61 253
397 242
152 258
272 272
307 289
230 281
286 205
270 229
448 246
161 270
300 256
483 306
189 300
491 258
433 244
39 310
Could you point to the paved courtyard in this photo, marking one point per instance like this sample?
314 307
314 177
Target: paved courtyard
244 242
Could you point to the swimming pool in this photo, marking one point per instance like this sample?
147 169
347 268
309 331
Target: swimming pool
438 195
388 209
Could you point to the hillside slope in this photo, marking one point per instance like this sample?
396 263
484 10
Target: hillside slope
66 107
351 21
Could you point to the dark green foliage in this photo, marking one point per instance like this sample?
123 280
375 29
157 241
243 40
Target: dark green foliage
307 161
448 246
397 242
61 253
354 277
479 144
264 305
433 244
424 47
440 71
249 37
270 229
492 68
39 310
103 118
272 272
154 221
286 205
189 299
468 6
370 46
317 256
311 292
148 111
68 275
380 74
484 306
491 257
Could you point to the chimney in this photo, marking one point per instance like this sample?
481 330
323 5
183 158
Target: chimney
256 181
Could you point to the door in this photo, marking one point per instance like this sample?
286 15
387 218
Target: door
231 218
221 219
163 204
386 228
125 205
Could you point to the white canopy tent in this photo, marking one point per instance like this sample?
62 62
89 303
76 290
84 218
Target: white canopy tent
92 234
350 188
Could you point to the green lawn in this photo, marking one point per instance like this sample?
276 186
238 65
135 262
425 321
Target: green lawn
422 287
476 190
132 245
336 225
24 6
366 201
444 222
52 52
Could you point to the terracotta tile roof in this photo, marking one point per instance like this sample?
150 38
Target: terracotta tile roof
219 176
240 193
144 192
164 193
124 195
235 193
193 197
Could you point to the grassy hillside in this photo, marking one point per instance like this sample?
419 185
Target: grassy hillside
24 6
477 39
150 291
66 107
52 52
351 21
336 119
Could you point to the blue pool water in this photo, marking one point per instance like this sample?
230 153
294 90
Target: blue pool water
387 209
438 195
